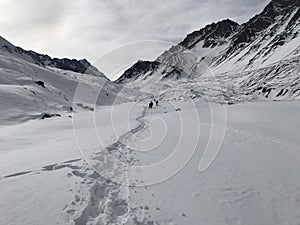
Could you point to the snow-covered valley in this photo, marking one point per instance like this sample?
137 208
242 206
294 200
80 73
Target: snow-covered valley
218 146
46 178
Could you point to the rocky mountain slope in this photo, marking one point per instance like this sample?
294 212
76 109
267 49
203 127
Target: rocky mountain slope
35 86
79 66
226 52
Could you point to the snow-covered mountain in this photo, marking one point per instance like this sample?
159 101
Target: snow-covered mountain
264 49
34 86
180 162
79 66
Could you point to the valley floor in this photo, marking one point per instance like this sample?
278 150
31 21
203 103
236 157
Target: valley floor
128 164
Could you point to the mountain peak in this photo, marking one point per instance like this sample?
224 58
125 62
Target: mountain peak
138 68
269 16
211 34
228 22
265 39
78 66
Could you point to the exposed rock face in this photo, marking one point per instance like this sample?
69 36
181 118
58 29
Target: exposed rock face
140 67
78 66
258 58
212 34
226 45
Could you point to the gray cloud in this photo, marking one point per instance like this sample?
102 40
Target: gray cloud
92 28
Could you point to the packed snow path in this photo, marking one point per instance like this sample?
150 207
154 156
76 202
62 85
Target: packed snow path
254 180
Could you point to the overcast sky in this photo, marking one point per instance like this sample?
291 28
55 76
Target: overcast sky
92 28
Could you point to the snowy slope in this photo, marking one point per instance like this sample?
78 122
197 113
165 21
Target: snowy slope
106 158
31 90
254 179
80 66
265 39
231 56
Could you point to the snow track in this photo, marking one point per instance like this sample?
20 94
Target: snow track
254 180
108 201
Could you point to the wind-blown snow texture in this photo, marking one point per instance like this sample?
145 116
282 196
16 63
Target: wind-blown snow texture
255 60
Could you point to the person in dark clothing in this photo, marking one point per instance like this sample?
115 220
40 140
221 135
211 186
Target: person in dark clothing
156 102
151 105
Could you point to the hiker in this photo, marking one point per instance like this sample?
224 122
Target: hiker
156 102
151 105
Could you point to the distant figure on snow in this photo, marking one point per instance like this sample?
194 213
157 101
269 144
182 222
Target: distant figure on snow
156 102
151 105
